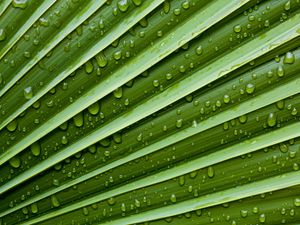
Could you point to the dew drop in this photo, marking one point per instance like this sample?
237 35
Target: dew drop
22 4
297 202
166 6
250 88
28 93
34 208
117 55
101 59
199 50
210 172
244 213
226 99
262 218
123 5
94 108
289 58
137 2
12 126
15 162
54 201
118 93
271 120
173 198
78 119
237 28
35 149
280 71
89 67
2 34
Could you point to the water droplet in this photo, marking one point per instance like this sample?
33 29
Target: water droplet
101 59
137 203
297 202
173 198
54 201
89 67
283 147
22 4
15 162
34 208
210 172
123 5
123 207
181 180
289 58
2 34
12 126
287 5
155 83
280 71
262 218
64 140
280 104
166 6
137 2
28 93
94 108
226 99
118 93
250 88
199 50
78 119
35 149
179 123
111 201
117 55
243 119
85 211
271 120
237 28
244 213
185 5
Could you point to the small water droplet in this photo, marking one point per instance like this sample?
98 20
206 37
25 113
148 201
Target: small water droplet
271 120
210 172
2 34
173 198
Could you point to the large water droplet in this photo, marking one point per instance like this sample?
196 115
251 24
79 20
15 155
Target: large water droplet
101 59
22 4
118 92
94 108
123 5
289 58
78 119
35 149
28 93
15 162
54 201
